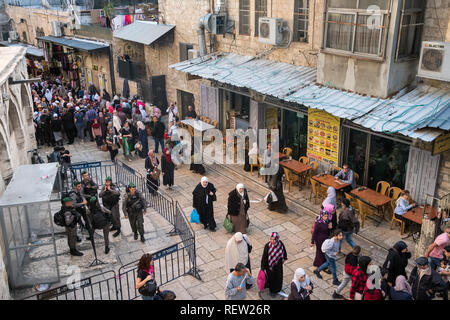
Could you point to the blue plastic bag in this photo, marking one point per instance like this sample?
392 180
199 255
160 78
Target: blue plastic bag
195 218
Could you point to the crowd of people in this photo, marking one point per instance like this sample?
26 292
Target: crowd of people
63 114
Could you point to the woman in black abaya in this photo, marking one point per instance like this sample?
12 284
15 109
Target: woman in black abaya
203 196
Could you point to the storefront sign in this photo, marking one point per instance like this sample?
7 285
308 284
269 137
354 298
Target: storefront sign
441 144
271 118
323 136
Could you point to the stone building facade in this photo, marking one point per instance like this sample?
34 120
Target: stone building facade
16 128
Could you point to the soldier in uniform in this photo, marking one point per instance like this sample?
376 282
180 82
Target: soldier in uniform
71 217
134 207
94 209
110 196
79 203
89 186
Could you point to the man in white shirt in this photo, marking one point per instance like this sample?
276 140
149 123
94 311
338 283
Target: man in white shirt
172 111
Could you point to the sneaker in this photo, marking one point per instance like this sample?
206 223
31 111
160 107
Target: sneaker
317 273
76 253
337 296
328 271
117 233
336 282
142 239
106 250
135 236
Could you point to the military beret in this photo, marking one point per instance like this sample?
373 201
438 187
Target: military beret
83 172
131 185
67 199
92 199
75 183
108 179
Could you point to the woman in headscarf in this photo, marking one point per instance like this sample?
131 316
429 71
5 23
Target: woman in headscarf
141 107
238 205
127 136
301 286
237 251
109 107
359 278
167 168
402 290
276 186
203 196
157 112
320 233
142 137
247 157
273 257
117 123
331 200
151 163
48 95
103 123
97 133
397 261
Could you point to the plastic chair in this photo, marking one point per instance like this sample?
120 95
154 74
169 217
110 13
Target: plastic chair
395 220
312 172
335 170
254 162
290 177
317 189
303 160
353 203
287 151
382 187
365 210
394 192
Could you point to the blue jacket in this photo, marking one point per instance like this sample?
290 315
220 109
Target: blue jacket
400 295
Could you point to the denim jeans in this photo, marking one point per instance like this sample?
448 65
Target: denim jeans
332 264
434 262
159 141
348 237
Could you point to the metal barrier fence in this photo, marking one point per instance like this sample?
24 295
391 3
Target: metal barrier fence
170 264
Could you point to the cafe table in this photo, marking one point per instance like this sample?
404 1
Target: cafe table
416 214
329 180
375 199
295 166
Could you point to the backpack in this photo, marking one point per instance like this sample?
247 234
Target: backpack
59 219
111 199
99 219
327 245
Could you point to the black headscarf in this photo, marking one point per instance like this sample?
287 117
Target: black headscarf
400 246
363 263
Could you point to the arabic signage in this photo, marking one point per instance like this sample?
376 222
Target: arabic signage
441 144
323 136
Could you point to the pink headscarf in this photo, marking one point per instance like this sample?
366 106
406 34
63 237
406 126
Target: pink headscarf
329 208
109 106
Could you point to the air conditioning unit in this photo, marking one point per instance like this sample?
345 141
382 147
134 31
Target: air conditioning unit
271 30
192 54
435 60
13 36
56 29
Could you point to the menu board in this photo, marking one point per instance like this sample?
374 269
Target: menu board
323 136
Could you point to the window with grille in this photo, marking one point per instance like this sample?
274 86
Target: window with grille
244 17
410 29
260 11
301 13
357 26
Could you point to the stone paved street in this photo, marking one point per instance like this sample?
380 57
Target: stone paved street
293 227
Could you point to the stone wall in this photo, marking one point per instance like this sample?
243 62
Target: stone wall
36 18
443 182
16 128
437 27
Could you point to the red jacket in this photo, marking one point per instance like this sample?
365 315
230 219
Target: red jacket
374 294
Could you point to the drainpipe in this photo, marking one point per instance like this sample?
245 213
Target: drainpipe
201 36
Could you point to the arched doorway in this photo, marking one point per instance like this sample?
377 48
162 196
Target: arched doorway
6 171
17 136
26 104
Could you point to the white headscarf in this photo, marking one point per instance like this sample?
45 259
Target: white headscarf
117 123
48 95
254 149
300 273
331 197
140 125
240 186
236 252
203 180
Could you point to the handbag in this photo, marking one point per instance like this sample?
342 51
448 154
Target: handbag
248 221
155 174
228 225
261 280
149 289
104 148
195 218
249 247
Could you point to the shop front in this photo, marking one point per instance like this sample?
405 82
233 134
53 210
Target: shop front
78 61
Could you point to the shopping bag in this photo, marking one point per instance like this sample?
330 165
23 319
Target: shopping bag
261 280
228 225
195 218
